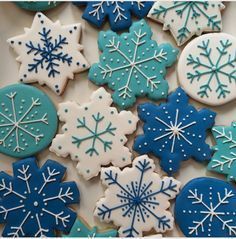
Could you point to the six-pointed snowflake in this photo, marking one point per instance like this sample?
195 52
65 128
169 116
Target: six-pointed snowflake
133 65
34 201
224 159
94 134
187 18
174 131
137 198
49 53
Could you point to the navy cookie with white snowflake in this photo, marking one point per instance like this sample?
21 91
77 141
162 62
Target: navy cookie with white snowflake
34 201
28 120
118 13
36 5
174 131
206 207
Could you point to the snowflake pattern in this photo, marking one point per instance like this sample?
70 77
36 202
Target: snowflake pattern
209 64
49 53
117 12
174 131
133 65
206 208
137 198
187 18
28 120
34 201
224 158
94 134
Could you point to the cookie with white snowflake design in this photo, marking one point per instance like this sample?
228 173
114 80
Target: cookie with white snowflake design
206 207
34 201
94 134
49 53
174 131
185 19
28 120
137 198
36 6
206 68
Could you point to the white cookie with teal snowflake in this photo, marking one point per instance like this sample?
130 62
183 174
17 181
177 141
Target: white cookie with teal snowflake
188 18
207 68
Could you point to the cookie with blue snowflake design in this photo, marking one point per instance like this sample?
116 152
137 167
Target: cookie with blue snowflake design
133 65
174 131
185 19
206 207
36 6
28 120
118 13
49 53
34 201
137 198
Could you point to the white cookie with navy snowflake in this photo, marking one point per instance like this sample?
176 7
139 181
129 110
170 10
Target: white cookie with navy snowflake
188 18
137 198
174 131
206 68
49 53
94 134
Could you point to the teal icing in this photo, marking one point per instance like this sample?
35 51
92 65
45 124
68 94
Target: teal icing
36 5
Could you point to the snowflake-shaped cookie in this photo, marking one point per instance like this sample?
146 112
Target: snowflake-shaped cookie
187 18
206 207
28 120
49 53
137 198
94 134
133 65
206 68
224 158
34 201
174 131
118 13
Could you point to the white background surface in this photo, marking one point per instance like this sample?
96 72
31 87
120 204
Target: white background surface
12 22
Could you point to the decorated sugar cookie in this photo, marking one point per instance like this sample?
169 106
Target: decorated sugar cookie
36 5
224 158
28 120
34 201
174 131
206 207
118 13
188 18
206 68
137 198
94 134
133 65
49 53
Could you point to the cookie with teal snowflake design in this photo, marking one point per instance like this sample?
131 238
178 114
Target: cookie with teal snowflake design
37 6
133 65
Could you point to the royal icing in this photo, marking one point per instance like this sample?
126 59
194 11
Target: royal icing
206 68
49 53
137 199
187 18
174 131
37 5
28 120
94 134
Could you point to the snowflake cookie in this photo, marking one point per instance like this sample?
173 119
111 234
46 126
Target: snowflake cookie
206 207
118 13
34 202
37 5
133 65
174 131
94 134
206 68
28 120
187 18
224 158
137 198
49 53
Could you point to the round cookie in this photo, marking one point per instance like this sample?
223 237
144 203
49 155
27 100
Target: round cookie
37 6
206 68
28 120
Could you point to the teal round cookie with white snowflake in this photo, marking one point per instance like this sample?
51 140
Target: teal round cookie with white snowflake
206 68
36 5
28 120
